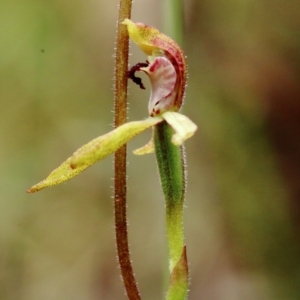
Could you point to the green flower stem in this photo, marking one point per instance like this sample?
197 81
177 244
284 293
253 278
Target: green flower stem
175 233
171 170
120 105
171 165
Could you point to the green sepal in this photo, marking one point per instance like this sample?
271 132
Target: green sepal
112 141
94 151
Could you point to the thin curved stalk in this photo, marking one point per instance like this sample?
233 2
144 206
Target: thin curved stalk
120 189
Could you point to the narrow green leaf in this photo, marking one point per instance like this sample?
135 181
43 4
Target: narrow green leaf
94 151
171 165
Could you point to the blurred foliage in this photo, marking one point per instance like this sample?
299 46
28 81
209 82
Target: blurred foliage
242 216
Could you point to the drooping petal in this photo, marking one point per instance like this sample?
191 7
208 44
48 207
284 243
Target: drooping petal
94 151
184 128
146 149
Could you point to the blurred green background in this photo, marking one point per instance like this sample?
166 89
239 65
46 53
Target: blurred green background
242 220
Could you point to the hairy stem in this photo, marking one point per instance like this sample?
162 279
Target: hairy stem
171 169
171 165
120 107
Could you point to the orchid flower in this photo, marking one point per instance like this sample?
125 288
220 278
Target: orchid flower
166 69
